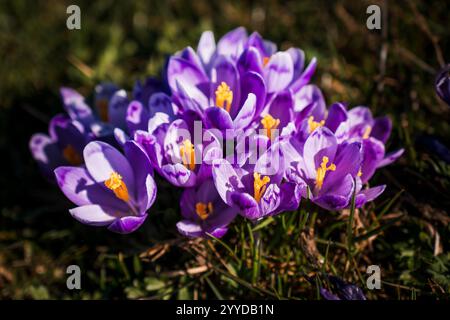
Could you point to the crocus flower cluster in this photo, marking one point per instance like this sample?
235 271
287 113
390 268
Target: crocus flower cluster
235 124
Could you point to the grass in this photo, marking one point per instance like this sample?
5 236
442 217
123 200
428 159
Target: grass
405 232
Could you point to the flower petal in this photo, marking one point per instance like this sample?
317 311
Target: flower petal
256 41
127 225
160 102
381 129
190 98
247 205
338 196
206 47
246 113
79 187
142 169
372 154
279 72
310 98
331 202
178 175
47 154
390 158
218 232
102 160
250 60
291 194
137 116
190 76
189 228
252 82
120 136
232 43
226 179
270 201
222 216
320 143
370 194
298 59
337 114
188 201
347 161
442 84
282 108
218 118
75 106
117 109
224 70
305 77
95 215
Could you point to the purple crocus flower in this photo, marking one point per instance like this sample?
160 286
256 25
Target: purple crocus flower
237 83
112 189
327 169
204 212
174 153
253 193
443 84
343 290
358 124
110 105
62 146
69 134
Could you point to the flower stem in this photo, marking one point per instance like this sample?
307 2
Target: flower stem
256 255
350 228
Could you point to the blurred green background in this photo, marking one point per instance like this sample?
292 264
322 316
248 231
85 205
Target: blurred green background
391 70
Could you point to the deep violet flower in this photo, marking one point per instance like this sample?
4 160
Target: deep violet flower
204 212
442 84
358 124
326 170
343 291
69 134
255 194
62 146
112 189
355 125
110 105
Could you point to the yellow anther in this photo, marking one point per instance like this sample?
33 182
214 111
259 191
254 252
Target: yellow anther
313 125
224 96
367 132
322 170
187 153
102 107
116 184
72 156
359 174
269 123
266 61
203 210
259 186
